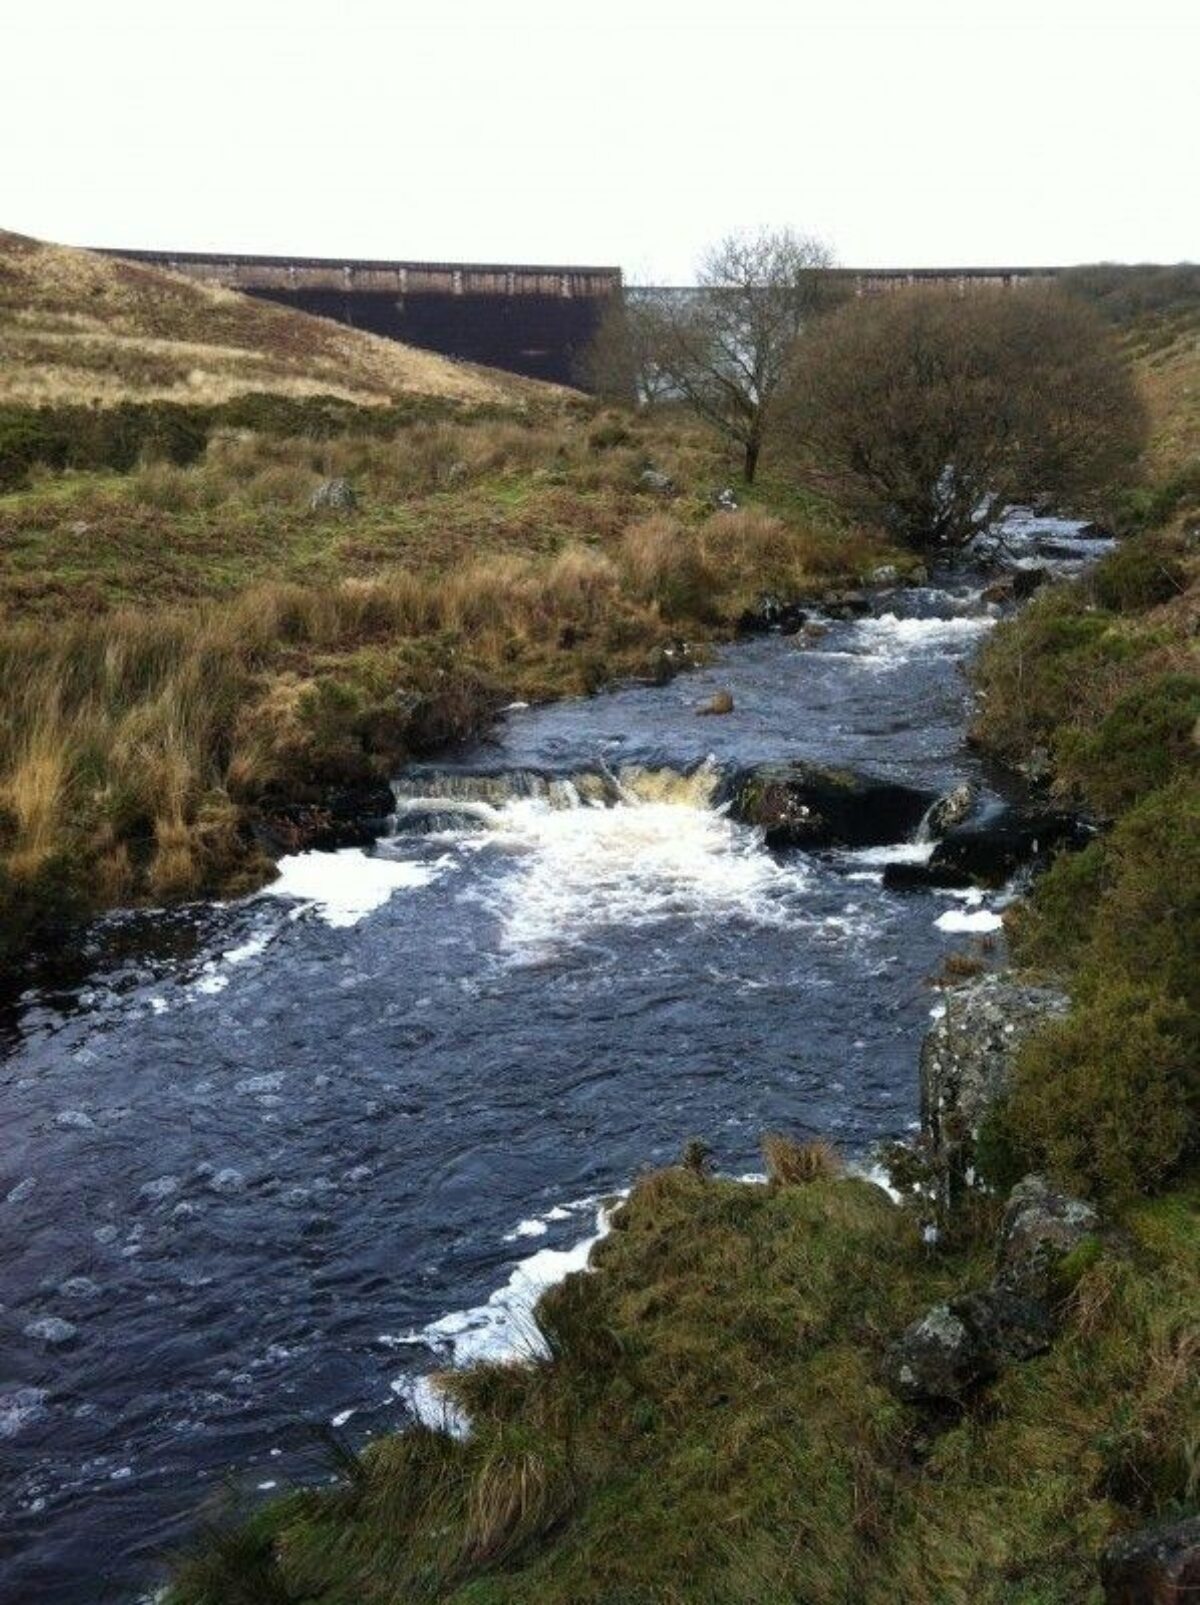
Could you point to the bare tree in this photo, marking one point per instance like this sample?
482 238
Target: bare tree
928 413
622 361
724 347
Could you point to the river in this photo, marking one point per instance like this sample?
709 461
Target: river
265 1164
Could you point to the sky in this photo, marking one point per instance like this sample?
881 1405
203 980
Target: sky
631 132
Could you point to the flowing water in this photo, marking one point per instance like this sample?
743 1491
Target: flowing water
268 1163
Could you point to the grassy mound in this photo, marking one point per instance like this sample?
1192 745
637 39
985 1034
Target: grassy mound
710 1427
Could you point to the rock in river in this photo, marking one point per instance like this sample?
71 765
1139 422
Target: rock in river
809 805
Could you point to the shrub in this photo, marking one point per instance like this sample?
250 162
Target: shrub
1103 1100
927 414
1146 738
1139 574
793 1164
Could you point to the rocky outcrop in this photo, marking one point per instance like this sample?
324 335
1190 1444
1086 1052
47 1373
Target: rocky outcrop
1158 1566
966 1059
809 806
333 495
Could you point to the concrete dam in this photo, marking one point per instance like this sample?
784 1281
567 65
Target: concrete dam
526 319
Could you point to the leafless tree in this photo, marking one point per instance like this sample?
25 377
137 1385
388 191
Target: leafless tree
723 348
622 361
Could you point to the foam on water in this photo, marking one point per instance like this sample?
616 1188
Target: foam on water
346 886
632 864
977 921
892 641
504 1328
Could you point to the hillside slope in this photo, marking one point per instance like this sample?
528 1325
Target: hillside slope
78 327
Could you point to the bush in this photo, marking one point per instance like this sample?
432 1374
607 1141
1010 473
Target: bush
1104 1100
927 414
1141 573
1140 745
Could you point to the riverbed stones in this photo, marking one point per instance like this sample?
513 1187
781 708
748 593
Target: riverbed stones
333 495
772 614
1159 1565
720 702
810 805
966 1061
51 1331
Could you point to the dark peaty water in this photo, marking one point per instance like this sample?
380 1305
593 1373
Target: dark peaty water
263 1150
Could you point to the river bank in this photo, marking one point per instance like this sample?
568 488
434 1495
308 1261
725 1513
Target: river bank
472 1032
716 1404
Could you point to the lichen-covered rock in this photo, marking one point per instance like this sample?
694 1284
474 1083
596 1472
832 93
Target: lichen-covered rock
957 1345
966 1060
656 483
1156 1566
335 495
951 808
936 1358
1041 1228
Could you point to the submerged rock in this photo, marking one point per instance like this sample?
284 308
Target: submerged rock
966 1060
808 805
720 702
1159 1565
51 1330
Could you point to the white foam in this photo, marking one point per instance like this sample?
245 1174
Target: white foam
504 1328
891 640
346 886
633 864
957 919
893 853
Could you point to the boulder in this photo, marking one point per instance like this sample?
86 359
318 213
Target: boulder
966 1059
1041 1227
885 574
724 500
937 1358
809 805
333 495
990 849
772 613
656 483
1025 581
1159 1565
957 1345
951 808
339 816
720 702
847 605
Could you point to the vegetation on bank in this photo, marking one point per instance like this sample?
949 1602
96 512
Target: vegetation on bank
188 646
711 1427
1099 683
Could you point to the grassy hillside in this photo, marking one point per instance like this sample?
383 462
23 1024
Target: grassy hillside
77 327
221 653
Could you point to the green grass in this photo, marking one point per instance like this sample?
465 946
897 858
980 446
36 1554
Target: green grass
712 1430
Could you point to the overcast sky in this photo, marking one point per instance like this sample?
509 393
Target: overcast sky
905 132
